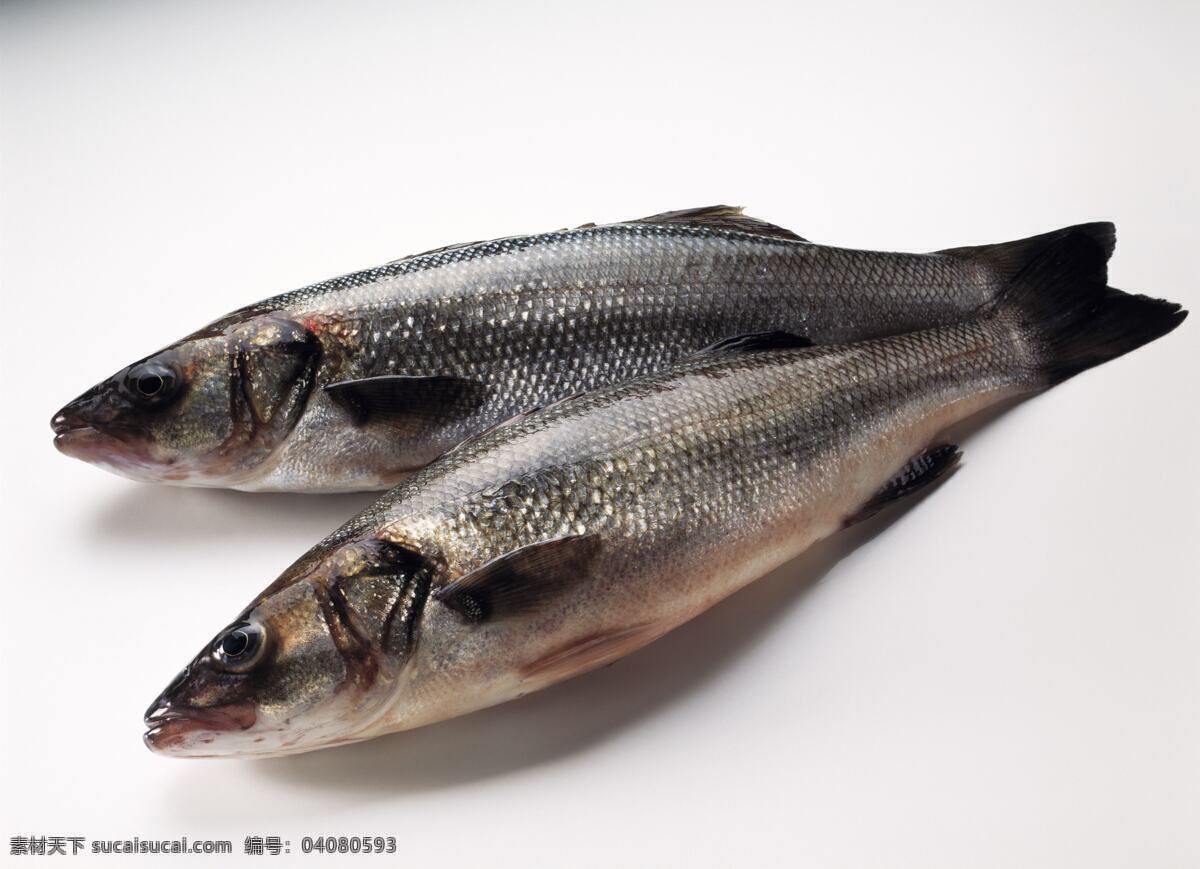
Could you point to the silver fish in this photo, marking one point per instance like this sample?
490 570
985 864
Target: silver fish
568 537
353 383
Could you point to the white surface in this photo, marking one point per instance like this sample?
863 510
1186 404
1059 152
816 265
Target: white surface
1006 675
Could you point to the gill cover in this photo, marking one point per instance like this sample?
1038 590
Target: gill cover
374 594
313 661
275 360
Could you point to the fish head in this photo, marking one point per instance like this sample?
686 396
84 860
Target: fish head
207 410
313 662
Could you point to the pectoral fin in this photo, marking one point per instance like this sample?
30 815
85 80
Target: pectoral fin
520 580
402 401
926 467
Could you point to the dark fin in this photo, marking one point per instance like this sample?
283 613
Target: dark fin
755 342
520 580
722 217
402 401
1010 257
1074 323
927 466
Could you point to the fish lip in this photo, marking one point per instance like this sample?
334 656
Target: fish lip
90 444
168 729
99 446
94 406
69 438
64 422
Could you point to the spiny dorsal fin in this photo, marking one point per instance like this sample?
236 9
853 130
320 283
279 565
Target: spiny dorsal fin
924 468
756 342
520 580
402 401
722 217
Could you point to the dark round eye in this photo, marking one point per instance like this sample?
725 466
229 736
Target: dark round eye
151 380
150 384
239 646
235 643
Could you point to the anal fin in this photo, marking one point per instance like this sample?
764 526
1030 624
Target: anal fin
923 469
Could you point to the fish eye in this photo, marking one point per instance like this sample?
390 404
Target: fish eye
151 380
239 646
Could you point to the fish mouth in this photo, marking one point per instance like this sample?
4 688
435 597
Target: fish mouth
70 427
81 440
186 731
88 428
90 444
63 422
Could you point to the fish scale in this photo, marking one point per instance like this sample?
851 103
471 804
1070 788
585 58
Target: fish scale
632 330
401 362
695 479
567 537
773 411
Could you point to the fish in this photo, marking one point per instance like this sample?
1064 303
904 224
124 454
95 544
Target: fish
354 383
568 537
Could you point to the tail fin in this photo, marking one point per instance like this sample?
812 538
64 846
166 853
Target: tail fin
1073 322
1009 258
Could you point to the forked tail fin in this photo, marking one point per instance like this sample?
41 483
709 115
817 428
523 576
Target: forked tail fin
1010 258
1071 321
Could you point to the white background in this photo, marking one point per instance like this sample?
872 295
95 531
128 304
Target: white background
1007 674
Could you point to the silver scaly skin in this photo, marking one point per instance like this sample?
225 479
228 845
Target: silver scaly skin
353 383
571 536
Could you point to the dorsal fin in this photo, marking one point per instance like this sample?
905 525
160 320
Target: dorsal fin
520 580
721 217
712 216
756 342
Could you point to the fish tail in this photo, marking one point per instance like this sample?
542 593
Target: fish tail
1010 258
1070 320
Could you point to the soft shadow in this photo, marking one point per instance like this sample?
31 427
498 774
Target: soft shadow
169 515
